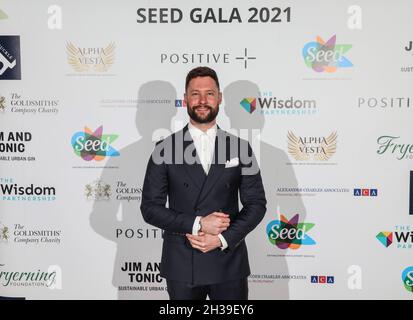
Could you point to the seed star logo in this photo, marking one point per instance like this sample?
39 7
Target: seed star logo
324 56
249 104
91 145
290 234
385 238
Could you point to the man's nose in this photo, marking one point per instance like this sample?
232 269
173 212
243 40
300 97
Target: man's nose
202 99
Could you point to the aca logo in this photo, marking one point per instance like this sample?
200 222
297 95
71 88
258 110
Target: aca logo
322 279
94 145
291 234
407 278
326 56
180 103
365 192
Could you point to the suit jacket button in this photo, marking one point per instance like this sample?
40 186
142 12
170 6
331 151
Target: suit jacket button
186 185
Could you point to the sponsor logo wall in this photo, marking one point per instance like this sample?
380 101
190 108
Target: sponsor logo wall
332 106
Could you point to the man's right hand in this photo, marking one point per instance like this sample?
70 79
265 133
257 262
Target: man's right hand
215 223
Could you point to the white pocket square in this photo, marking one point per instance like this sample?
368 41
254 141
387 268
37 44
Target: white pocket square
234 162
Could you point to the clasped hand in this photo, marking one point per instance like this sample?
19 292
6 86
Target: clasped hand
211 226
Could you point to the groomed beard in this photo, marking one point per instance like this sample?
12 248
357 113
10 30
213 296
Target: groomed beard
212 114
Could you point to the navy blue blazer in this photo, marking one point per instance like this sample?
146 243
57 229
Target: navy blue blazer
175 174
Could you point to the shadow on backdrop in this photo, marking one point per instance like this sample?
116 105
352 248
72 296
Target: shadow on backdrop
120 221
275 173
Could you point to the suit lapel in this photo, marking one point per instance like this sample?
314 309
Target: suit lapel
217 165
195 170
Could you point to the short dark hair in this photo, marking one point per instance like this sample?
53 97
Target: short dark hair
201 72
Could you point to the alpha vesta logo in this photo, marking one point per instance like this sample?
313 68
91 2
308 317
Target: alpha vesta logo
87 59
94 145
302 148
10 64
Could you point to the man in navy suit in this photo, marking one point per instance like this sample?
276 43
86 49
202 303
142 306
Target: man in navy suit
200 170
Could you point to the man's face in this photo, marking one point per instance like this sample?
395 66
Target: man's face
202 99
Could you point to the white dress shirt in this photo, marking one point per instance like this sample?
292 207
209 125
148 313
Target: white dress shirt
205 146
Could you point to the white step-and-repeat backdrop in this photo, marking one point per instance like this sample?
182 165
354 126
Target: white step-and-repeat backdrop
323 89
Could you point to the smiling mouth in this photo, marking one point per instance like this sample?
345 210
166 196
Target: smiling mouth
202 108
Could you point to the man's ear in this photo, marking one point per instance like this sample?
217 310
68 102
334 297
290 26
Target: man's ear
219 97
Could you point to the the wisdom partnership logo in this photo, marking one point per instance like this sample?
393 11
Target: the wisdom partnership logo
94 145
326 56
289 234
402 236
271 105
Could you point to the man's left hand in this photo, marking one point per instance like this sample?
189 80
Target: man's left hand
204 242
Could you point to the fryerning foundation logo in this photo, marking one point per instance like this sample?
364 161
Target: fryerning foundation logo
388 144
10 64
326 56
289 234
27 278
90 59
94 145
304 148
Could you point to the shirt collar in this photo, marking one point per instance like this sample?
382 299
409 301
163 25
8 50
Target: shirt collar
196 133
